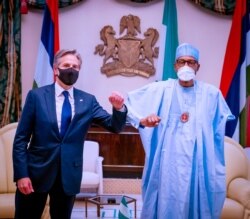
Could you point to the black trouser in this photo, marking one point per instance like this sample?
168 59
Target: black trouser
32 206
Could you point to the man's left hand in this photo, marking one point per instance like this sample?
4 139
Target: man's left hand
117 100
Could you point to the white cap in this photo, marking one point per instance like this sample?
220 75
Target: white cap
187 49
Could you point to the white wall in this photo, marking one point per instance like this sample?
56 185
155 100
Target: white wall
80 25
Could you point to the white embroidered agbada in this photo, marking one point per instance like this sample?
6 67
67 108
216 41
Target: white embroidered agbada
184 172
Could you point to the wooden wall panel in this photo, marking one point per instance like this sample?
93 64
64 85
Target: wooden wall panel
123 153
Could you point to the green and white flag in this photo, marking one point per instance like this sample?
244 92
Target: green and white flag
123 209
170 41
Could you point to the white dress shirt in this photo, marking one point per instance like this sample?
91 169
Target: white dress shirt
59 102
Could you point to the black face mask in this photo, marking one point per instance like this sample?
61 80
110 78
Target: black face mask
68 76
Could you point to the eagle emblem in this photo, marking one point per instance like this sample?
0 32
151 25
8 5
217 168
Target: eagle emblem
128 55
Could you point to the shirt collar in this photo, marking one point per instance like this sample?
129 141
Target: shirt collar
59 90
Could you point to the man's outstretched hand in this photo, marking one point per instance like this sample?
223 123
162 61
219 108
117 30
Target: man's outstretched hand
150 121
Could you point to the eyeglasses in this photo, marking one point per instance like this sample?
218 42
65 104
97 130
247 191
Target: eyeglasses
190 63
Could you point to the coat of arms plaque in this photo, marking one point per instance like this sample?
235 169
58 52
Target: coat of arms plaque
128 55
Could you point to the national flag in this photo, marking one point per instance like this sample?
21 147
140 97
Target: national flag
171 40
49 45
235 80
124 212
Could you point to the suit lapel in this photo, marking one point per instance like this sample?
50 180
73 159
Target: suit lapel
51 107
79 107
78 103
49 96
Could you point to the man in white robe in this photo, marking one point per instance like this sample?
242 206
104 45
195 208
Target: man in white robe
184 172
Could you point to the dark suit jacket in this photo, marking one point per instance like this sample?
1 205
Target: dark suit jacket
39 151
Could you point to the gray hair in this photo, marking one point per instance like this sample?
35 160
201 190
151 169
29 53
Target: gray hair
64 52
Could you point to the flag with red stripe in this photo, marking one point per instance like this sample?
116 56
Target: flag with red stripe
235 81
49 45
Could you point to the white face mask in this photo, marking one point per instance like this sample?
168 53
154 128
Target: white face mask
186 73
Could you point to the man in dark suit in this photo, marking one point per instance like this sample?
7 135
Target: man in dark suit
48 150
